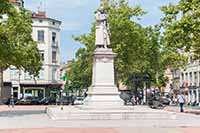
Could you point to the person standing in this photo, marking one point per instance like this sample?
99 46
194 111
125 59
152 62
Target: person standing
181 101
11 101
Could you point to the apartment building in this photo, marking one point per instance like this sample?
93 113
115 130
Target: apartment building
45 31
187 79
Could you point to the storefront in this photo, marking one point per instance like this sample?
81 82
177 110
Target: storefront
34 92
40 91
191 93
6 91
193 96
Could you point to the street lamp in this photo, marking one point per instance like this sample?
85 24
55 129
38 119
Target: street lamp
146 79
19 87
136 80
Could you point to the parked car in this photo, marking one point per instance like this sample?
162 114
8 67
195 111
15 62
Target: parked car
8 101
47 101
79 100
158 101
126 97
66 100
28 101
165 101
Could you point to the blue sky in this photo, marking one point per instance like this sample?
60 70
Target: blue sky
78 15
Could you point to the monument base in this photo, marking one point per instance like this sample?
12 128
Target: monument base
103 97
103 94
126 113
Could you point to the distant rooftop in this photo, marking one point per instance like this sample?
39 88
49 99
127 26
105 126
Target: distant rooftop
35 15
39 14
17 2
13 1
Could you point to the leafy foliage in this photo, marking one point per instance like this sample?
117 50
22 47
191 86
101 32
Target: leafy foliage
17 47
182 26
140 50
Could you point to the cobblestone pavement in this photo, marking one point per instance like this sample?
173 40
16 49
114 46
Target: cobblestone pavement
30 119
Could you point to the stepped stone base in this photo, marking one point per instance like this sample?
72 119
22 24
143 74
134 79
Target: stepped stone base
126 113
103 97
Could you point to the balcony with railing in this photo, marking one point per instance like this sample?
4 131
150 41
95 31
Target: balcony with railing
54 61
54 44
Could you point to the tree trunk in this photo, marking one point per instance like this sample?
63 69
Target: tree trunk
1 85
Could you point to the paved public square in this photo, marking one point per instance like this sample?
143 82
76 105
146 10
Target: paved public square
29 119
104 130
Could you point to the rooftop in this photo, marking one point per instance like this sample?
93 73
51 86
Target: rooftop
15 1
39 14
12 0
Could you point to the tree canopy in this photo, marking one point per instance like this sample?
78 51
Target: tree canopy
17 47
140 50
128 39
182 26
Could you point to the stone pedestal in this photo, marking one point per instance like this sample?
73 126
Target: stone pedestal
103 101
125 113
103 93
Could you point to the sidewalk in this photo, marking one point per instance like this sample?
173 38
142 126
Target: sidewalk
3 108
187 109
24 108
103 130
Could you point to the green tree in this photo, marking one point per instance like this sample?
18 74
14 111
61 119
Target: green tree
182 26
17 47
140 50
123 33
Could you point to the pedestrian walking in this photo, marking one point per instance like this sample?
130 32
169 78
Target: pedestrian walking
11 101
133 100
181 101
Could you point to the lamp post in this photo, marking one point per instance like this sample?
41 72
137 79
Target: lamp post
19 87
136 79
146 79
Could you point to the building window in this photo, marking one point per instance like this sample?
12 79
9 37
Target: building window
27 76
53 23
41 74
53 74
40 35
40 21
195 78
199 78
186 76
191 79
190 60
42 54
182 75
53 37
186 80
13 74
54 57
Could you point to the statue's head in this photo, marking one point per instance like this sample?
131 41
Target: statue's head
102 10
